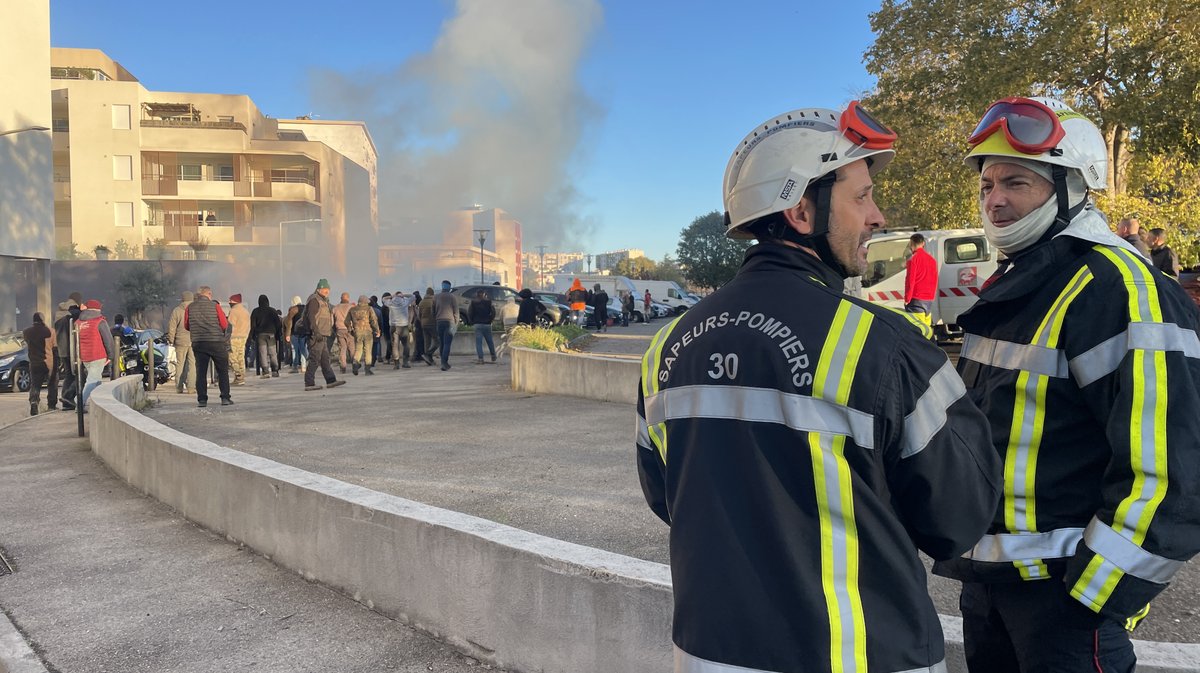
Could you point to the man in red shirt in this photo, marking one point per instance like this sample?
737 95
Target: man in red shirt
920 280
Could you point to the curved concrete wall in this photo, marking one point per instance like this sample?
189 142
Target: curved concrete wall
588 376
508 597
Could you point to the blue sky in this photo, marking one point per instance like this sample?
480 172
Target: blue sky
675 85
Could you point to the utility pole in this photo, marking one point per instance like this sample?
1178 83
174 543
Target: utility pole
541 267
482 233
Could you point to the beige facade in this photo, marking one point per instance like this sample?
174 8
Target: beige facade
187 174
26 189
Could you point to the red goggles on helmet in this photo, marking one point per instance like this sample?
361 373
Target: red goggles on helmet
1029 126
863 129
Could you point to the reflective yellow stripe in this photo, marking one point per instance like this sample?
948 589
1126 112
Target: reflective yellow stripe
1147 433
834 490
924 327
650 385
1025 432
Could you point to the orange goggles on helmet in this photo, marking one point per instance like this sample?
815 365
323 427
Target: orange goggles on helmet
1029 126
862 129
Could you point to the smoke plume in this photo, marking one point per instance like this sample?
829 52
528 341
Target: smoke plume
492 114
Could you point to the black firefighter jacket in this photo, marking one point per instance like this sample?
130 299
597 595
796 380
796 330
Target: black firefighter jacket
1086 361
803 445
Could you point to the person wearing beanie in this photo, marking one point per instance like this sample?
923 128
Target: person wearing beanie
181 339
318 318
341 331
299 345
266 331
429 326
239 333
40 342
96 347
445 309
363 323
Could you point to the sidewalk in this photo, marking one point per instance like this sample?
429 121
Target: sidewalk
109 580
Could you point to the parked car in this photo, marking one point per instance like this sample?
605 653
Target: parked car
506 302
549 299
14 363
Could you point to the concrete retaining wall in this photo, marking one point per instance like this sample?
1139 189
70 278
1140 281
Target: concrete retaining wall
588 376
508 597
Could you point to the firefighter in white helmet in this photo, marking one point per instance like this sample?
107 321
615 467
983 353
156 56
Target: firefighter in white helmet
1086 360
803 444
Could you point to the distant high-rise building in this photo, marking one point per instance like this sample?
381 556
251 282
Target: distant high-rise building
608 260
459 257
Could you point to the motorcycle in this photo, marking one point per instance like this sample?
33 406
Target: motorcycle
135 357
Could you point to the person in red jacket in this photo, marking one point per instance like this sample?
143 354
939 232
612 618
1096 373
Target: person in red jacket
920 280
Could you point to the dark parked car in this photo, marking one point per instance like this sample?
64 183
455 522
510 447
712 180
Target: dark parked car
14 363
505 301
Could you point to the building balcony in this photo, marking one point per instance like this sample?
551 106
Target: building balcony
228 190
192 124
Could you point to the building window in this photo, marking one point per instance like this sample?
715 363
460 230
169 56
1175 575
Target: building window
123 214
224 173
120 117
228 119
122 167
189 172
61 125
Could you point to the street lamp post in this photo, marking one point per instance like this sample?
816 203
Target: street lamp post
22 130
281 297
542 267
482 238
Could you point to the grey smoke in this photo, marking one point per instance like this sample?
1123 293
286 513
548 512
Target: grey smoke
493 114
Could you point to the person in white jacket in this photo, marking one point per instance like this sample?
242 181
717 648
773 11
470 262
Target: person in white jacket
398 319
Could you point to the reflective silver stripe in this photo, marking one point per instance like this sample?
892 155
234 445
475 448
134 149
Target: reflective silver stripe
761 405
643 433
1126 555
1011 547
1104 358
1090 595
1010 355
929 416
687 663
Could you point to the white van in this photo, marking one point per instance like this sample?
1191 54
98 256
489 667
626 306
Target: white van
666 292
964 259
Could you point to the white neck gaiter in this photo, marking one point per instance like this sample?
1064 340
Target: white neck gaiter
1029 229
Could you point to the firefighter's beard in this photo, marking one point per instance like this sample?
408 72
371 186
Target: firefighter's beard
1022 233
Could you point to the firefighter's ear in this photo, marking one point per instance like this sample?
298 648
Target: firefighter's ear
800 216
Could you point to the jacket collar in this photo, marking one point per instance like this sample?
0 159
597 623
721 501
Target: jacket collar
776 257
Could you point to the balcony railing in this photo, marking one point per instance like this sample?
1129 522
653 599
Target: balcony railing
189 124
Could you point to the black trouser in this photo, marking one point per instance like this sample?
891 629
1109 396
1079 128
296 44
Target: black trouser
70 381
1036 627
39 373
318 356
418 341
218 352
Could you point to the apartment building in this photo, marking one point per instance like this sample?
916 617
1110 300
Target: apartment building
141 173
460 258
26 190
608 260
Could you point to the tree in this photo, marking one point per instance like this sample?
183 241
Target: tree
637 268
1132 66
125 250
709 259
143 287
668 269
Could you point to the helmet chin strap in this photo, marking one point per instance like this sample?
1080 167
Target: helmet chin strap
818 240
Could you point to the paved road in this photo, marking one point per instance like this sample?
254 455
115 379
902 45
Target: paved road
109 580
465 441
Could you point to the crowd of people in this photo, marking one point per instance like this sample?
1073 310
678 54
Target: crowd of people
218 345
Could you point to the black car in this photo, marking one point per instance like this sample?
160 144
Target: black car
14 363
506 302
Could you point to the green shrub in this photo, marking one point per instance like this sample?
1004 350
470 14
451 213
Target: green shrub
569 331
537 338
